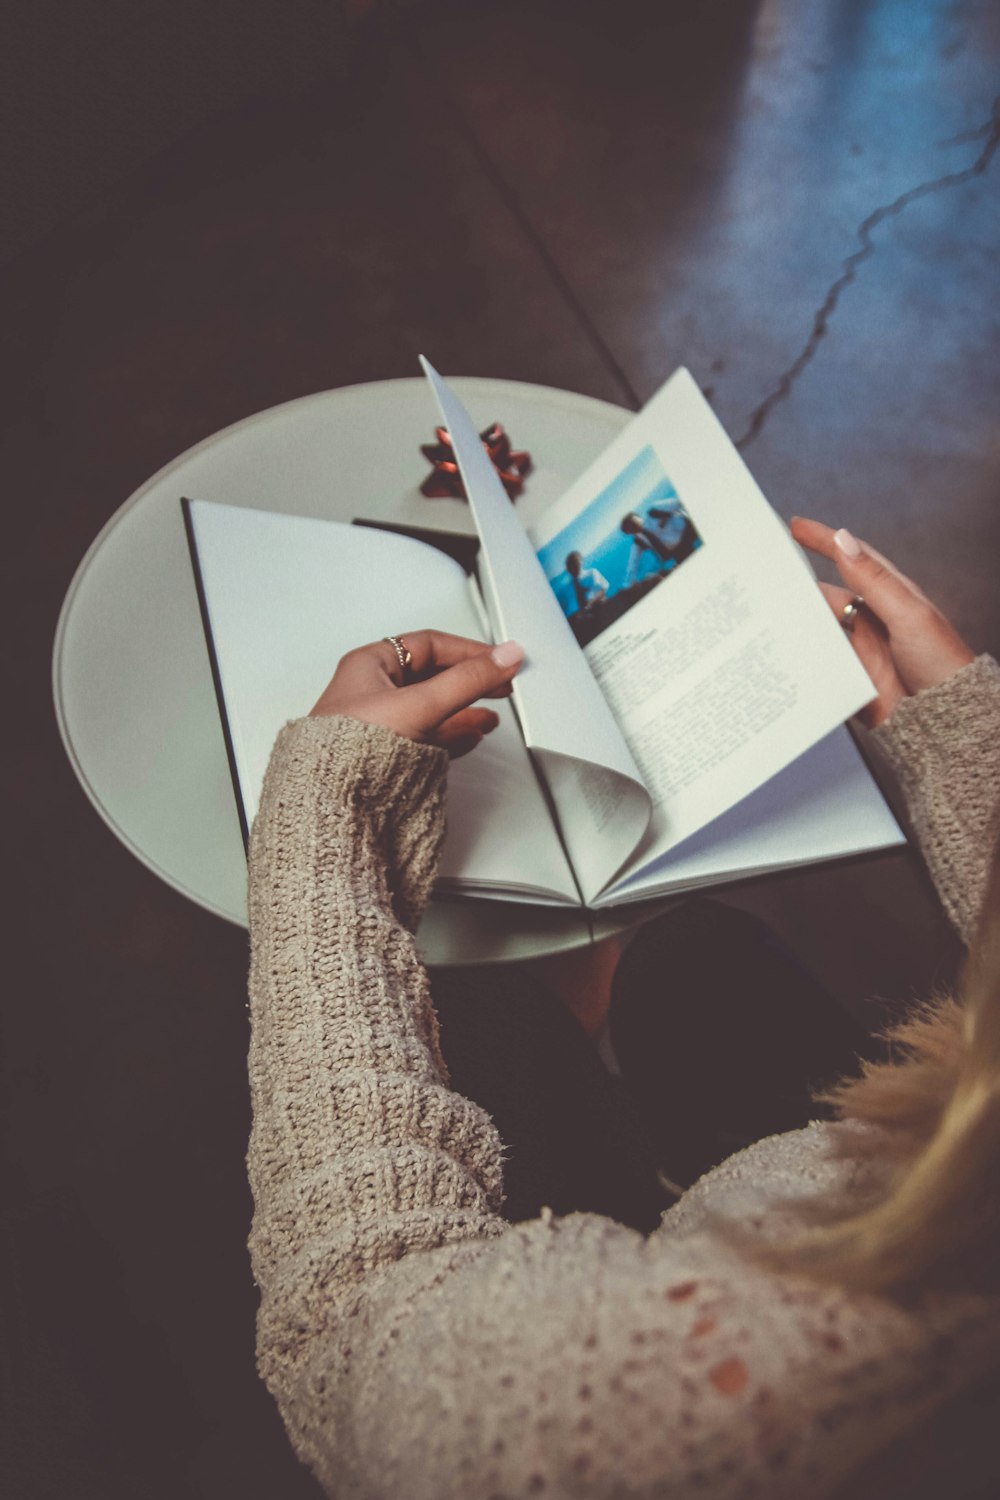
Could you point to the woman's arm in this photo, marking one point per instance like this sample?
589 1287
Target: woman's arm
936 716
359 1152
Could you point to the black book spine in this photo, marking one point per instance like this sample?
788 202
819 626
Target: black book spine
206 621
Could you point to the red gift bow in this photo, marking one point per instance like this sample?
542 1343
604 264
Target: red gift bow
445 481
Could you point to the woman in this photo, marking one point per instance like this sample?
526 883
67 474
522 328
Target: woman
417 1343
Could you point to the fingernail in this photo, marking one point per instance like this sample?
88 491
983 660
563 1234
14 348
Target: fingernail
847 543
507 654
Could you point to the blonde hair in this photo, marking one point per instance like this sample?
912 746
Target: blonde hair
938 1223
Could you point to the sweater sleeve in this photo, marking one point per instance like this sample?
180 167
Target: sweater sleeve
944 746
359 1153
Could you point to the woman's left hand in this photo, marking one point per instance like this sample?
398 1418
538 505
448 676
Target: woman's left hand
432 701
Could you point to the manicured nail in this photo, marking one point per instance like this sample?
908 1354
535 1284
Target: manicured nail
507 654
848 544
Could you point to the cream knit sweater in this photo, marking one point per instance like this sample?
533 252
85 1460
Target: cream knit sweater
418 1346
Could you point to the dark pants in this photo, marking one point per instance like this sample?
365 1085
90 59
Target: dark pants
721 1036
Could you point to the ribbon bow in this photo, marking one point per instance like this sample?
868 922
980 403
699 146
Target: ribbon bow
445 481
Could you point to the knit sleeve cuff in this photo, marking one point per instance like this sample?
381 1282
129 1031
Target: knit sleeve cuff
373 768
966 707
943 744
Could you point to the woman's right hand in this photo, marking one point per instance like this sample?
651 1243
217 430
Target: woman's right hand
903 641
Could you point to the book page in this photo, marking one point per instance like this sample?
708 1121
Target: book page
287 596
825 805
597 792
697 615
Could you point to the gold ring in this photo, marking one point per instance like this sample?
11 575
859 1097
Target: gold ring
403 654
849 613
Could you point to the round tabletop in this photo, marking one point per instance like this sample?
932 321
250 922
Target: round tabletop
131 675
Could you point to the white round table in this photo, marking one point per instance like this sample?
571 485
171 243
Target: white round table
131 677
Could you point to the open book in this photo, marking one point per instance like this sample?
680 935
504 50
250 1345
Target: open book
678 720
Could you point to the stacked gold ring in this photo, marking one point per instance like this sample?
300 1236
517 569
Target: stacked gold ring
403 654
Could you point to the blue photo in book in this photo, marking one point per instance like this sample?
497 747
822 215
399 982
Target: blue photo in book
631 537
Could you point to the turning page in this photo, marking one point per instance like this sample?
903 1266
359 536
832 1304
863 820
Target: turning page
284 598
597 791
700 621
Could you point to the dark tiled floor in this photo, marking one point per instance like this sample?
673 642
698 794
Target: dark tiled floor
570 194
